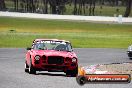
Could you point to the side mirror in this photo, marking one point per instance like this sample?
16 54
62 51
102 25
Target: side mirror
29 48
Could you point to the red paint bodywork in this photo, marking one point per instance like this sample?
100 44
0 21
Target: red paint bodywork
43 64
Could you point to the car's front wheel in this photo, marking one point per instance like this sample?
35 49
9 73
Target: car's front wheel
73 72
26 67
31 69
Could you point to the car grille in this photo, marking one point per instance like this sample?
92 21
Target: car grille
55 60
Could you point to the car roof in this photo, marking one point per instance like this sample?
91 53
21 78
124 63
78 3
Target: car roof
36 40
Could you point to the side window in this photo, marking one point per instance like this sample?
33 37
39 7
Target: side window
33 46
69 47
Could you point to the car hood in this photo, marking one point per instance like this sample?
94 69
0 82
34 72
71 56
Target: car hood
55 53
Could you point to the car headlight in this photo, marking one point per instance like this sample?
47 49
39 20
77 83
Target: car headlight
37 57
74 59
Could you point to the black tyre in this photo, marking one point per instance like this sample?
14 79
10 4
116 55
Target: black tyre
72 73
81 80
130 58
26 67
31 69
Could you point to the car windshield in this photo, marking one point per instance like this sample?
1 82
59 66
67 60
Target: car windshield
53 45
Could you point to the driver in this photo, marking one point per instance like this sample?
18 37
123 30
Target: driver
40 46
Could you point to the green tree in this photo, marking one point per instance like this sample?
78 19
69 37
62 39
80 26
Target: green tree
128 8
2 5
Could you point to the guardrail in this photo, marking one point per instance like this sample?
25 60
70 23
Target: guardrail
118 19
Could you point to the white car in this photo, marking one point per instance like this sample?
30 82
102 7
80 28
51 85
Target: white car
129 52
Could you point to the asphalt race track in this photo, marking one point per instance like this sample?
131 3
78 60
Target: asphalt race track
12 73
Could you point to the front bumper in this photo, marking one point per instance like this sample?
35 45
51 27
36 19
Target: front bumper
55 68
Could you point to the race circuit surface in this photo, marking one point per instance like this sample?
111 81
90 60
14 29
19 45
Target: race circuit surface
12 73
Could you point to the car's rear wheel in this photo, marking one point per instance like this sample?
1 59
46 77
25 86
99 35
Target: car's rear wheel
26 67
73 72
31 69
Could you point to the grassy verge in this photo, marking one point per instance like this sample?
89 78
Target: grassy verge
81 34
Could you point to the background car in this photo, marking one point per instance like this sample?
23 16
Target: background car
129 52
51 55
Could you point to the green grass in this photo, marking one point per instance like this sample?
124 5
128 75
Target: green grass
81 34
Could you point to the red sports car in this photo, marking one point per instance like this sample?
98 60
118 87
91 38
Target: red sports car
51 55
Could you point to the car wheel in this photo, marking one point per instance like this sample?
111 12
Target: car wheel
31 69
26 67
72 73
81 80
130 57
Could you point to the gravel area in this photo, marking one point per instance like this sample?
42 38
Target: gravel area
117 68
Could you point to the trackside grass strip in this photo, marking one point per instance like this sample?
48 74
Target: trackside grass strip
20 32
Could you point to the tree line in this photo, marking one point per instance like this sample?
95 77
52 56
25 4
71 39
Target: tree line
59 6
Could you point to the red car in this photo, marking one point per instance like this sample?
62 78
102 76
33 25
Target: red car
51 55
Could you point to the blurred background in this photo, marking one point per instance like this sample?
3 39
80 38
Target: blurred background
70 7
